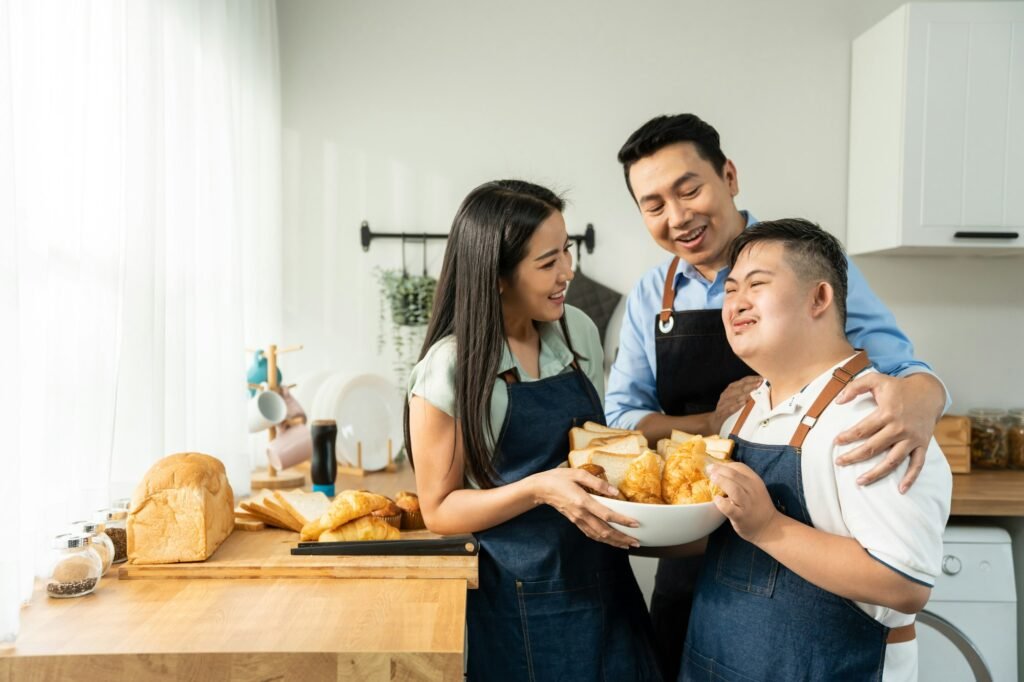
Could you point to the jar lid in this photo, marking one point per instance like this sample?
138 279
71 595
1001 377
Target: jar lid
990 412
112 514
88 527
70 541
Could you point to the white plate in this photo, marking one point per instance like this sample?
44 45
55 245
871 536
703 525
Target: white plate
368 410
326 395
306 387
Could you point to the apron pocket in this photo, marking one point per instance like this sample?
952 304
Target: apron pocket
744 567
563 628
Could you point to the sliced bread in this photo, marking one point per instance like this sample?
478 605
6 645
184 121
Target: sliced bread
718 447
303 506
615 465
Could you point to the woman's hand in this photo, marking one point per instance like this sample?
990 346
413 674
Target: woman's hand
732 400
564 489
747 505
903 423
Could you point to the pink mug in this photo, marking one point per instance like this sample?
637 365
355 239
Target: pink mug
290 447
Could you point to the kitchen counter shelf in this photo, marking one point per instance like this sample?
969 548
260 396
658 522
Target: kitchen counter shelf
988 493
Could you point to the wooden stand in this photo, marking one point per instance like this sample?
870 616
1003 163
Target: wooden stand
358 469
269 477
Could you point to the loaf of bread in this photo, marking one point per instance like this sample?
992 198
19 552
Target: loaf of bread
181 511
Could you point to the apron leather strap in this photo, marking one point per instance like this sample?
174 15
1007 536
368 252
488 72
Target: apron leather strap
904 633
743 417
511 376
840 378
668 296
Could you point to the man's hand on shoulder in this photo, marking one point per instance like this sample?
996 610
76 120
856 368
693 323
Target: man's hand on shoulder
902 424
732 400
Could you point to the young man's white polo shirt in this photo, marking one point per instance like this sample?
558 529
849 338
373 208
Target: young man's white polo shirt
902 531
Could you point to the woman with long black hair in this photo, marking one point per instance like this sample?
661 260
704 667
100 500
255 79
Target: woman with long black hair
506 370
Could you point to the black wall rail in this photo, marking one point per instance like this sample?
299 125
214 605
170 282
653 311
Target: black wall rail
366 236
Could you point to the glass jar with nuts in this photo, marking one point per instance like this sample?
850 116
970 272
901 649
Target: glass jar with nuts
988 439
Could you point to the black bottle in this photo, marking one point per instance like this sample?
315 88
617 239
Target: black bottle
324 467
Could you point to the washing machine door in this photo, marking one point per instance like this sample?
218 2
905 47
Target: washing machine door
951 655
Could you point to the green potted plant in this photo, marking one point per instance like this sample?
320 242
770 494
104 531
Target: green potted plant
409 300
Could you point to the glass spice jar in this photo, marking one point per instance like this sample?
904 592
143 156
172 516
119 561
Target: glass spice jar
76 567
101 542
988 439
122 503
1015 438
115 521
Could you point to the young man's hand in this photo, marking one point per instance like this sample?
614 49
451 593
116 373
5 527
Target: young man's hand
903 423
747 503
732 400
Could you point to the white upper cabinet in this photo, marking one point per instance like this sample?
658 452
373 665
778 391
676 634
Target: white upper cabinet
937 131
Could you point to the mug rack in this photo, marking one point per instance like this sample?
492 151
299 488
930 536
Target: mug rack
271 478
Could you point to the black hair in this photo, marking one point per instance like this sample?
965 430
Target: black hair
814 254
662 131
489 237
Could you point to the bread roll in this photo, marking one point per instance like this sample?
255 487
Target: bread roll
181 510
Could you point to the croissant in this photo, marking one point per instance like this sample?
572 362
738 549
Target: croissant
348 505
681 472
363 528
642 482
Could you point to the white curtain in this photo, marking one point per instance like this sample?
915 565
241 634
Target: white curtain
140 236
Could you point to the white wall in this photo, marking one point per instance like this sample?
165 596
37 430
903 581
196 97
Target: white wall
393 111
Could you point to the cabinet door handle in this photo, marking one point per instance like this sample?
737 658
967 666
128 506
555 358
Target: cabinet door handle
986 235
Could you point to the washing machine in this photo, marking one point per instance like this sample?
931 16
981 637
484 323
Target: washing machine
968 629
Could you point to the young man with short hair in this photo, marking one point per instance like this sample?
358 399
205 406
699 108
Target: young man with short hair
813 576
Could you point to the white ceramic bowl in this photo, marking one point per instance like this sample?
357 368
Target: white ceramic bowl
662 525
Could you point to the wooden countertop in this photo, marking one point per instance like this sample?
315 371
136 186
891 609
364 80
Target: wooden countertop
244 630
300 626
988 493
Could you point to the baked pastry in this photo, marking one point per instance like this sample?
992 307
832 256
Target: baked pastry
391 513
363 528
682 470
642 482
598 471
181 510
412 517
347 505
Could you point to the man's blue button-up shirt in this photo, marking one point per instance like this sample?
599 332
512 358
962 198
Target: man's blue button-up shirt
632 391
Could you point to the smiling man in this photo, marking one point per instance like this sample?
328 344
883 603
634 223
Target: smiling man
674 368
815 577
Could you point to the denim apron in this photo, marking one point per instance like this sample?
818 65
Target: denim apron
694 365
552 604
765 620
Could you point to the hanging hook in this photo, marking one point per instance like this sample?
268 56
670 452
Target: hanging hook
424 254
405 273
579 260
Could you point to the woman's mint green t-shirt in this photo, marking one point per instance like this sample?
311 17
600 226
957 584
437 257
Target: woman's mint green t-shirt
433 378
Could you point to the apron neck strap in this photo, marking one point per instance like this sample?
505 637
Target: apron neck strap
668 296
510 376
743 417
840 378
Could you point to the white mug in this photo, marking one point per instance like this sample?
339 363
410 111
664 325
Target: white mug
266 408
291 447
